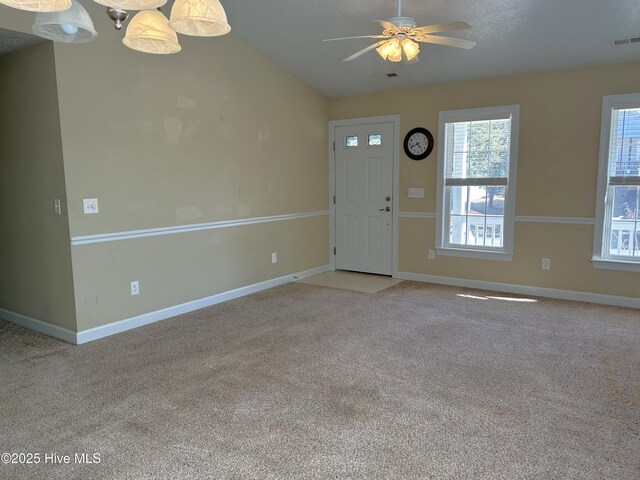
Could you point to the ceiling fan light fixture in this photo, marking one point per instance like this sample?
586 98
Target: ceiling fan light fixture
200 18
38 5
72 25
149 32
389 50
411 49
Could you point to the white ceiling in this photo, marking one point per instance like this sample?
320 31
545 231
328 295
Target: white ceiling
513 36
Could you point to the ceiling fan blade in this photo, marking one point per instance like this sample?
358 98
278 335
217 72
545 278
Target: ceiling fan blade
442 27
448 41
364 50
361 36
387 25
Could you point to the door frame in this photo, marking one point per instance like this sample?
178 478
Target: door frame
395 196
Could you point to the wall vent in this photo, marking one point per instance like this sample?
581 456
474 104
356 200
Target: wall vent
619 42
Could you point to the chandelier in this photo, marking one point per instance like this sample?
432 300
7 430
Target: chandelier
149 30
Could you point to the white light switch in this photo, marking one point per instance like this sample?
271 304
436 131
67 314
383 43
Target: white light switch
90 205
57 206
416 192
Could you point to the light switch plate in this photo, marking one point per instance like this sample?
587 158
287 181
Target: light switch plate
90 205
416 192
57 206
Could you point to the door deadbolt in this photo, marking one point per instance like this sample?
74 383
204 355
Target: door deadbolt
387 209
388 198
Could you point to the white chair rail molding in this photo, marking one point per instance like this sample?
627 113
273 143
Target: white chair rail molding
149 31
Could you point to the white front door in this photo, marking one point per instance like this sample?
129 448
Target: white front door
363 188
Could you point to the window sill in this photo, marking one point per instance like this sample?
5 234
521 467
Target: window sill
621 265
477 254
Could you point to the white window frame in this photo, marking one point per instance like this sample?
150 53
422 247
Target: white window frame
480 252
601 259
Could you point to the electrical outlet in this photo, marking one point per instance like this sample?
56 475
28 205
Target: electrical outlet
57 206
432 254
135 287
274 257
546 264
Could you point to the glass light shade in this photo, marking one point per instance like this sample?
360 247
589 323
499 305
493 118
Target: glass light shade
396 56
38 5
132 4
149 32
391 48
201 18
73 25
411 48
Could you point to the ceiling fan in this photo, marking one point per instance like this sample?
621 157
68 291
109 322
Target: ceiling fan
401 34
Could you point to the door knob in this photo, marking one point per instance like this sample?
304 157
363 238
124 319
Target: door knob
387 209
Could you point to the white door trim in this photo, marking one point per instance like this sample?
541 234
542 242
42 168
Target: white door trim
395 201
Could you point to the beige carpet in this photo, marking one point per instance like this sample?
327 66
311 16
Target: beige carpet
358 282
303 381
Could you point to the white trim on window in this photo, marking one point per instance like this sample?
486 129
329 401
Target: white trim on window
471 253
478 114
601 259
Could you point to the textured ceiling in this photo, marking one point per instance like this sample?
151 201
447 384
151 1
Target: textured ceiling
513 36
10 41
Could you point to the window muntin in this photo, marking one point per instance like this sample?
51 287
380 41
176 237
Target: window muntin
475 214
618 216
476 182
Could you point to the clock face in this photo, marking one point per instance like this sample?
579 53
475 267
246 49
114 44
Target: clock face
418 143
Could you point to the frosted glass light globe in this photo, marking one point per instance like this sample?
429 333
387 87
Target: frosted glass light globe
132 4
73 25
149 32
200 18
38 5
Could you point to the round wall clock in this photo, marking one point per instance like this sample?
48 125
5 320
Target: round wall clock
418 143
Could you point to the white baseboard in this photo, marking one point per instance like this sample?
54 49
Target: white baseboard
631 302
311 272
38 325
158 315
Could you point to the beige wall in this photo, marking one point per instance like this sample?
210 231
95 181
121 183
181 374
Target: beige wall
557 171
35 254
216 132
175 269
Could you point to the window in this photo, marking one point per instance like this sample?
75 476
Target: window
617 233
351 141
375 139
476 182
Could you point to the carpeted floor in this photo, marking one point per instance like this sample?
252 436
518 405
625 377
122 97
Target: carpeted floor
304 381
